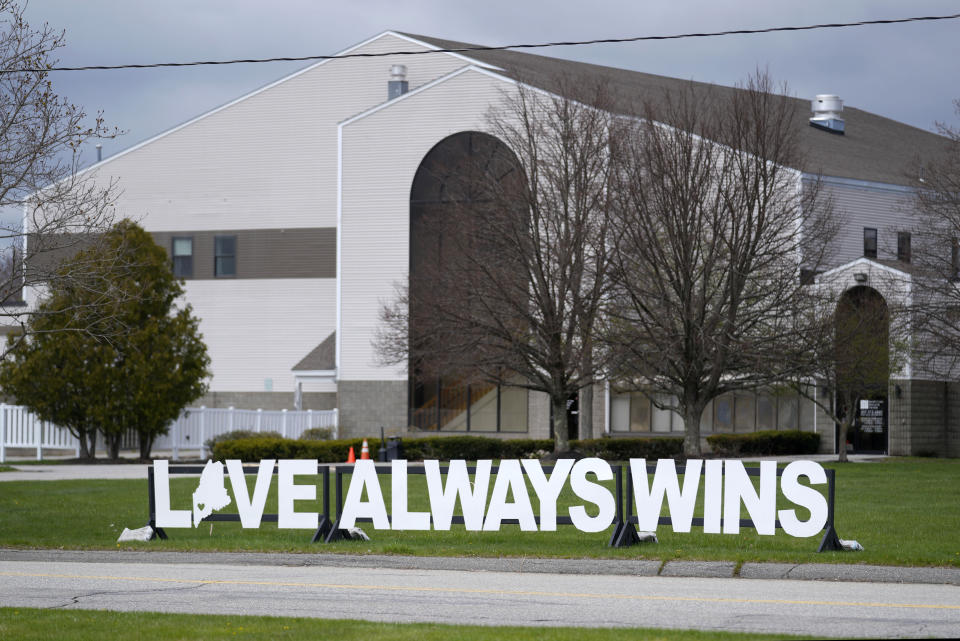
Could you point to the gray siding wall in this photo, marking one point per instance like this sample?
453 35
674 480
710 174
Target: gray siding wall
264 253
267 400
925 419
365 406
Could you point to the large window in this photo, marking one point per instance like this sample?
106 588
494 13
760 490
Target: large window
903 246
182 251
869 242
225 256
741 411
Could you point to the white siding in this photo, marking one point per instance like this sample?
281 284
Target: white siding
381 153
268 160
886 209
259 329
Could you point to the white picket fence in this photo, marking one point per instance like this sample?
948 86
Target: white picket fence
20 428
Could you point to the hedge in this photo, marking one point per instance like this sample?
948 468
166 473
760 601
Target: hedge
768 443
444 448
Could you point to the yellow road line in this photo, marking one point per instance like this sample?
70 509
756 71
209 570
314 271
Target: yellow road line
400 588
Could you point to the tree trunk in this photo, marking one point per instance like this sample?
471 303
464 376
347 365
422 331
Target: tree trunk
585 417
691 424
146 444
88 444
113 446
84 448
842 439
561 437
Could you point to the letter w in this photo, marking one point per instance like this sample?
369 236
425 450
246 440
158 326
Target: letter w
444 498
649 500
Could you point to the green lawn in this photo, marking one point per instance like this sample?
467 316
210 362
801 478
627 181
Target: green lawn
904 512
29 624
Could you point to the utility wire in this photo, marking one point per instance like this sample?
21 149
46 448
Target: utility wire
571 43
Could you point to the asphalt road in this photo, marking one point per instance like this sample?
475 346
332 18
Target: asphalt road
827 609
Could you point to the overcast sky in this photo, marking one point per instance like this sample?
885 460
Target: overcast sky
908 72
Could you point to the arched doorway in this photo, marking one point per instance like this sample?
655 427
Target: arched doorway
862 353
457 189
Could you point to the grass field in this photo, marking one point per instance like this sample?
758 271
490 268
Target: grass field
904 512
28 624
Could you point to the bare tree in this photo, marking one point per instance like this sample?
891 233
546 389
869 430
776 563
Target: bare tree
935 258
517 252
714 228
51 209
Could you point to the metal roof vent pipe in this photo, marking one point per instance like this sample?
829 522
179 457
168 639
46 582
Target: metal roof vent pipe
397 86
826 113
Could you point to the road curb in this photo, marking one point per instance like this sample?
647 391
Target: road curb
622 567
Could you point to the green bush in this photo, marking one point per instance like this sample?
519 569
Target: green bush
767 443
317 434
622 449
239 434
444 448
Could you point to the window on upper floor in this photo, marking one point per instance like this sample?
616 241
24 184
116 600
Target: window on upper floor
224 256
903 246
182 251
869 242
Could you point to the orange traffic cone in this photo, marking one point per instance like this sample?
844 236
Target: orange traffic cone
364 450
351 457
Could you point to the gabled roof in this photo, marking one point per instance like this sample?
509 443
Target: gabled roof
874 148
321 358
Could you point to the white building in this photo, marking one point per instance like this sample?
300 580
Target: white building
288 213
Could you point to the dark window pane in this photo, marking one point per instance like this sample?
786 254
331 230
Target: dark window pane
183 257
869 242
225 256
225 266
903 246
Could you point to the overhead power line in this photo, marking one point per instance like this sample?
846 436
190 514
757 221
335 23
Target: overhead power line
570 43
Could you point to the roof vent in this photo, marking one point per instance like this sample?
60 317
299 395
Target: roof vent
826 113
397 86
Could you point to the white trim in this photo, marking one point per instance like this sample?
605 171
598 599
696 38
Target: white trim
461 56
315 373
339 325
862 261
606 407
270 85
856 182
426 87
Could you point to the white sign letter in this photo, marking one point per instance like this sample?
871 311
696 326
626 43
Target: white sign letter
161 494
443 498
803 496
761 507
510 478
548 491
402 519
287 493
593 493
251 512
649 501
364 476
712 496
